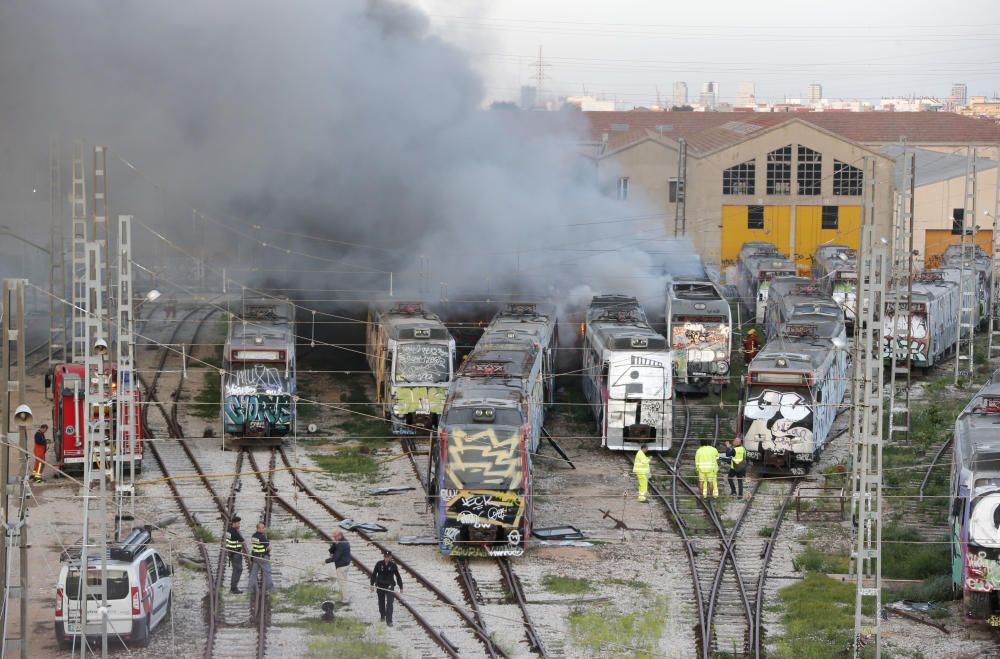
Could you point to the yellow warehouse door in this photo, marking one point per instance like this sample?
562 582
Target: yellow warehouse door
810 234
736 229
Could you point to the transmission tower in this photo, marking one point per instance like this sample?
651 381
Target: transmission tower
127 395
79 273
680 206
968 278
993 343
866 426
99 226
57 264
14 467
540 66
902 291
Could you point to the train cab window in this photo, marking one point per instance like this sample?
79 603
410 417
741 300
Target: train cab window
604 373
755 217
957 220
957 505
819 396
831 217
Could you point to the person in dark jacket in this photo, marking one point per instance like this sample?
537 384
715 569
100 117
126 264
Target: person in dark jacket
41 444
260 559
340 556
235 548
385 576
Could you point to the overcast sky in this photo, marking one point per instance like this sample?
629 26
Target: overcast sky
627 48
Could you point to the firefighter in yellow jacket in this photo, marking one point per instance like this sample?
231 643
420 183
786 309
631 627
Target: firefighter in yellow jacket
706 461
641 470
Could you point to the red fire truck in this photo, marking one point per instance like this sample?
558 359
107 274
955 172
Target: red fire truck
67 382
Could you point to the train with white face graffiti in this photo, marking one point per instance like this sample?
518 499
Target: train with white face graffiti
975 502
258 384
480 466
627 375
792 297
699 327
835 268
793 391
412 358
933 307
979 261
758 264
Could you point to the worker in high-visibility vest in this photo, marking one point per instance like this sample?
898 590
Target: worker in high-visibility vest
706 461
641 470
736 455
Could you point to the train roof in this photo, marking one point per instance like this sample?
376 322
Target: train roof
410 321
837 258
620 323
769 263
793 285
266 310
759 248
262 324
693 289
928 285
953 254
793 355
808 326
976 430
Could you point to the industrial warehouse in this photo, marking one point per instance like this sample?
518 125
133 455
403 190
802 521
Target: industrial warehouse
359 331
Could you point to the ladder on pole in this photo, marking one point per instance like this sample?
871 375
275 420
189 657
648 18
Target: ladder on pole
127 409
968 279
79 256
866 426
58 334
680 204
900 362
99 227
993 303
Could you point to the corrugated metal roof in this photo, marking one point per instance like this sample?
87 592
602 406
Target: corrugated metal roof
934 166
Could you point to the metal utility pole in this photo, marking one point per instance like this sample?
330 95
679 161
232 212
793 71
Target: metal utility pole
79 273
968 278
14 467
126 401
94 444
99 225
866 425
902 290
993 345
540 67
680 207
57 264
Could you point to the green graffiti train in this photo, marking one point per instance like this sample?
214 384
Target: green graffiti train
975 502
412 357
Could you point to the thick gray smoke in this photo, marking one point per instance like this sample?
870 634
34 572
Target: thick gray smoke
343 120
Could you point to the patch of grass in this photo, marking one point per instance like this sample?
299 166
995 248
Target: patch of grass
566 585
630 583
603 632
207 400
347 461
305 594
204 535
766 532
818 561
818 619
932 589
298 533
346 637
363 421
906 556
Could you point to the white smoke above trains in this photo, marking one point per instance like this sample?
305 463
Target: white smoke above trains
345 120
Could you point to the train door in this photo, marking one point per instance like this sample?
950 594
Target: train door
820 225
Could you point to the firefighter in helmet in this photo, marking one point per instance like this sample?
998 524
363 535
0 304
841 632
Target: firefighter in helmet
751 345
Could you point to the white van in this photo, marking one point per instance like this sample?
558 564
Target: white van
139 582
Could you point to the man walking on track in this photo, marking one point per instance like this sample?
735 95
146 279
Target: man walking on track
385 576
260 559
235 547
340 556
41 444
641 470
706 461
737 456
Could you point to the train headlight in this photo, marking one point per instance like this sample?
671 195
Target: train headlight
722 367
719 354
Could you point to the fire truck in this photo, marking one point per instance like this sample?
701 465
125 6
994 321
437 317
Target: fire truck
68 382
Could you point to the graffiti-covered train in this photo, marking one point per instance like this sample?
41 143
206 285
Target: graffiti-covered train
979 261
975 502
412 358
933 308
758 264
794 389
796 297
481 455
699 327
835 268
258 384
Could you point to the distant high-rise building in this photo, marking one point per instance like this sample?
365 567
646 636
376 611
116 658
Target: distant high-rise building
746 97
709 95
960 92
529 94
815 92
680 93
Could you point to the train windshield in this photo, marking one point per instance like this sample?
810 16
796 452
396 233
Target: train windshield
422 362
485 457
638 377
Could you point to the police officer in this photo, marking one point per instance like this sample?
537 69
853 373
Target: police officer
235 547
641 470
706 461
385 576
260 558
736 455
